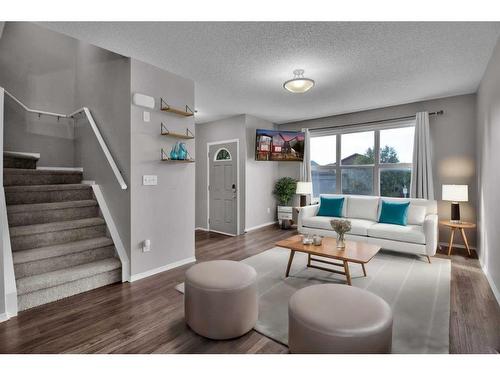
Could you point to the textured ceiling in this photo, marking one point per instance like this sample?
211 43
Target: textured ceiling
240 67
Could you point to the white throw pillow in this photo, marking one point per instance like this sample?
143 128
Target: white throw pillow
416 214
363 207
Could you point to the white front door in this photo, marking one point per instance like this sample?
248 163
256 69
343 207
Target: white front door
222 189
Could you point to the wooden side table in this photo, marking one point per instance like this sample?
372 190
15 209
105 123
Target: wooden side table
460 227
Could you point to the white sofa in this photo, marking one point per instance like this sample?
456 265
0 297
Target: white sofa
420 236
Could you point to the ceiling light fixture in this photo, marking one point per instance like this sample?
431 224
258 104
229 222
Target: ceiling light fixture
298 84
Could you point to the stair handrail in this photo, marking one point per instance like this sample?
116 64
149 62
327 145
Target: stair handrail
93 126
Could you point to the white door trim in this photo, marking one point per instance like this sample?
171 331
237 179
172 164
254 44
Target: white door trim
237 180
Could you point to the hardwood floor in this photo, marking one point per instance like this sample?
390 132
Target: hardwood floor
147 316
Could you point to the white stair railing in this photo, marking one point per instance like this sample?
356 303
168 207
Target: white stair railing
93 126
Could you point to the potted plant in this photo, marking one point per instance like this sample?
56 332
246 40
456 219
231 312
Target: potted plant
284 190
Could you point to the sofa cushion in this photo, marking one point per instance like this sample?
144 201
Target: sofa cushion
416 214
359 227
331 206
409 233
418 209
394 213
362 207
318 222
344 206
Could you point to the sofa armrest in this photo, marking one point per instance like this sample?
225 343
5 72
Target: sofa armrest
431 234
306 211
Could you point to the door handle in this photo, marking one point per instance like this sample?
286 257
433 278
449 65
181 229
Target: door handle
234 188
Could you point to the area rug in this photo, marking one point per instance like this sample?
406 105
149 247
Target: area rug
418 293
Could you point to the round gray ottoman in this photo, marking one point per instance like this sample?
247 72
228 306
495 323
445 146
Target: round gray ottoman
332 318
220 299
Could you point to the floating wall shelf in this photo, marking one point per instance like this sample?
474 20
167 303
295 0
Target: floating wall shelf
165 107
165 158
168 133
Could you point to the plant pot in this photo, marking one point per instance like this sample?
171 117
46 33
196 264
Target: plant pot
285 213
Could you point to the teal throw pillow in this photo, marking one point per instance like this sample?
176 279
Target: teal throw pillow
394 213
331 206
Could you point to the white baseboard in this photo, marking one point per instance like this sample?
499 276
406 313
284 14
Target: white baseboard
493 287
201 228
167 267
446 244
3 317
260 226
224 233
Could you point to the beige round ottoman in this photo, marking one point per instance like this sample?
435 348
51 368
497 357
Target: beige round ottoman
220 299
331 318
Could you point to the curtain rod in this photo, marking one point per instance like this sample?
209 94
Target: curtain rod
437 113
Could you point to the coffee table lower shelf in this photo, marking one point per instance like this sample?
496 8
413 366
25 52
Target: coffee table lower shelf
344 265
355 252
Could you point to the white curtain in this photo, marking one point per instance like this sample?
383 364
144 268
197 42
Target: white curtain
422 183
305 167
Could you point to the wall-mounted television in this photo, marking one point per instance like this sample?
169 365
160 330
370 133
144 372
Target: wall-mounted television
279 145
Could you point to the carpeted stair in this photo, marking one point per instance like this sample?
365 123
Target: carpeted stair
59 240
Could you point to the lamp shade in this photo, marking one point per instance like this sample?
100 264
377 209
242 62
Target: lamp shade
455 193
304 188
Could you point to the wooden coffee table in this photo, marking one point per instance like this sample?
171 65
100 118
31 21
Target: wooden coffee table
354 252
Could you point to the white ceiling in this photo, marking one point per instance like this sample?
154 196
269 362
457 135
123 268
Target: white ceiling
240 67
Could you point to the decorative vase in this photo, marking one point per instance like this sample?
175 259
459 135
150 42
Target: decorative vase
340 226
174 153
182 151
340 240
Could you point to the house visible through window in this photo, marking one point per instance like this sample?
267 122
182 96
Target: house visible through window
373 162
323 164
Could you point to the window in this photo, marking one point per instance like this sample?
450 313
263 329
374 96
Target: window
373 162
395 182
396 145
396 156
323 164
356 153
357 148
357 180
222 154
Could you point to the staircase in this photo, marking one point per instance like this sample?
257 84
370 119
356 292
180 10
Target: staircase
59 241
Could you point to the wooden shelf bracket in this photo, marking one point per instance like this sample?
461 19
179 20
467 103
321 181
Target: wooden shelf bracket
166 157
165 131
164 106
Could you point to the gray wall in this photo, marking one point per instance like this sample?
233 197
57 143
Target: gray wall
165 213
2 230
453 149
230 128
102 84
488 157
38 67
260 177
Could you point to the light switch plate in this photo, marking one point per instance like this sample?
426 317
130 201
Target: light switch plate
146 116
149 180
